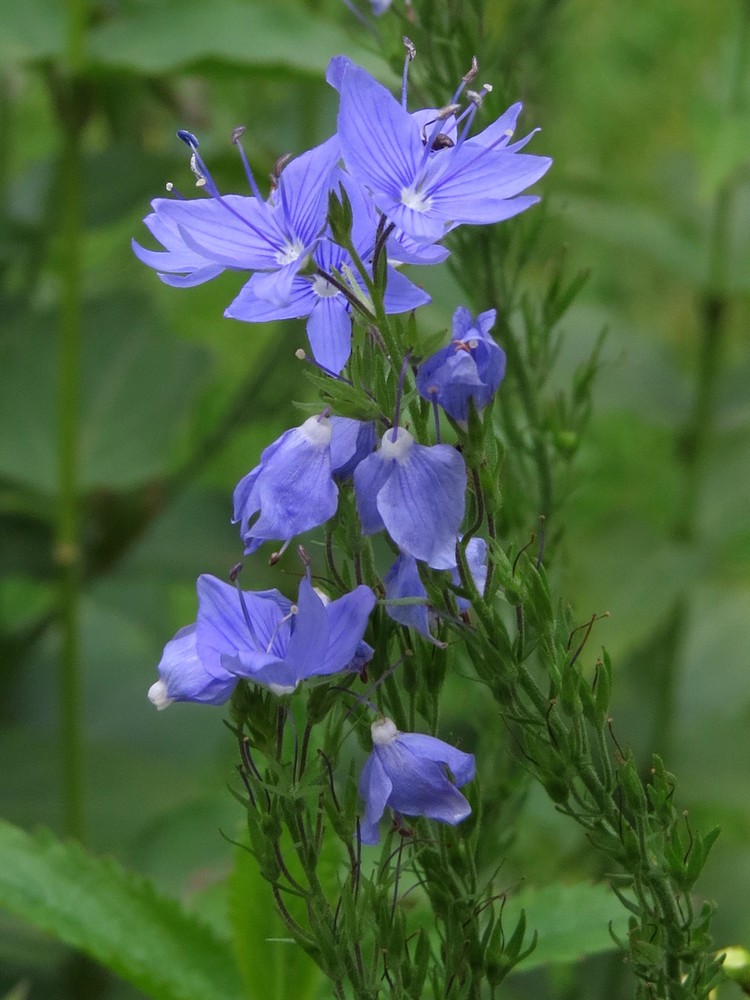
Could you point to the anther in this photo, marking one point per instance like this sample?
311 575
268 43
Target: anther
411 49
188 138
237 134
277 168
471 73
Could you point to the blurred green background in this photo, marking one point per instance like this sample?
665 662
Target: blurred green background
646 111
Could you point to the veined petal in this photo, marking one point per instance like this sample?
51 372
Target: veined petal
351 442
498 134
183 675
422 503
420 785
196 277
380 141
293 489
375 787
401 295
462 765
477 179
369 478
303 190
309 639
237 231
251 308
347 620
403 580
329 330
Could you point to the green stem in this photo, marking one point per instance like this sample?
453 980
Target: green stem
693 443
68 549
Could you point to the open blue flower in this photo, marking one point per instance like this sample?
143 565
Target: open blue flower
312 295
262 637
471 367
407 773
422 186
293 486
245 233
417 493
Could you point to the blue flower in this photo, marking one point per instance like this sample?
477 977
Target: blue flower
261 637
403 580
417 493
293 486
407 772
472 366
245 233
422 185
328 311
183 675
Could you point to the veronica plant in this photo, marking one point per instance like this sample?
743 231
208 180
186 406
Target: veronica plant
337 697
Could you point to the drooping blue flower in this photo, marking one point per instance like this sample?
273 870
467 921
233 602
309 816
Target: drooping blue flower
292 488
422 185
417 493
407 773
472 366
245 233
351 441
187 674
262 637
183 676
403 580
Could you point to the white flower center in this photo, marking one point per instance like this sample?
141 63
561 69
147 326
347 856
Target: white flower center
383 732
415 199
399 448
317 430
323 288
289 253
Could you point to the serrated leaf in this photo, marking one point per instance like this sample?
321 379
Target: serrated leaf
572 921
115 917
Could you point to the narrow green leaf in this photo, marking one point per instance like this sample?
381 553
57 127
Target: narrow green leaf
115 916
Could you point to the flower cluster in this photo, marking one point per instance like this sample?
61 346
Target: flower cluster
325 244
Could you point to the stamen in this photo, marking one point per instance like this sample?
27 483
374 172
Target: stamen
475 102
275 556
199 168
282 621
237 134
468 76
435 413
411 53
275 175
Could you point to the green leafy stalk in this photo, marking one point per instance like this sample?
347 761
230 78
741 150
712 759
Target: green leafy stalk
71 323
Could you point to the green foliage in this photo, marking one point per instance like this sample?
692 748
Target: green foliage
648 132
114 916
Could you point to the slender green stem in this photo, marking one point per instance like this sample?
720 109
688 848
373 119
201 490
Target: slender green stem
695 436
68 549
